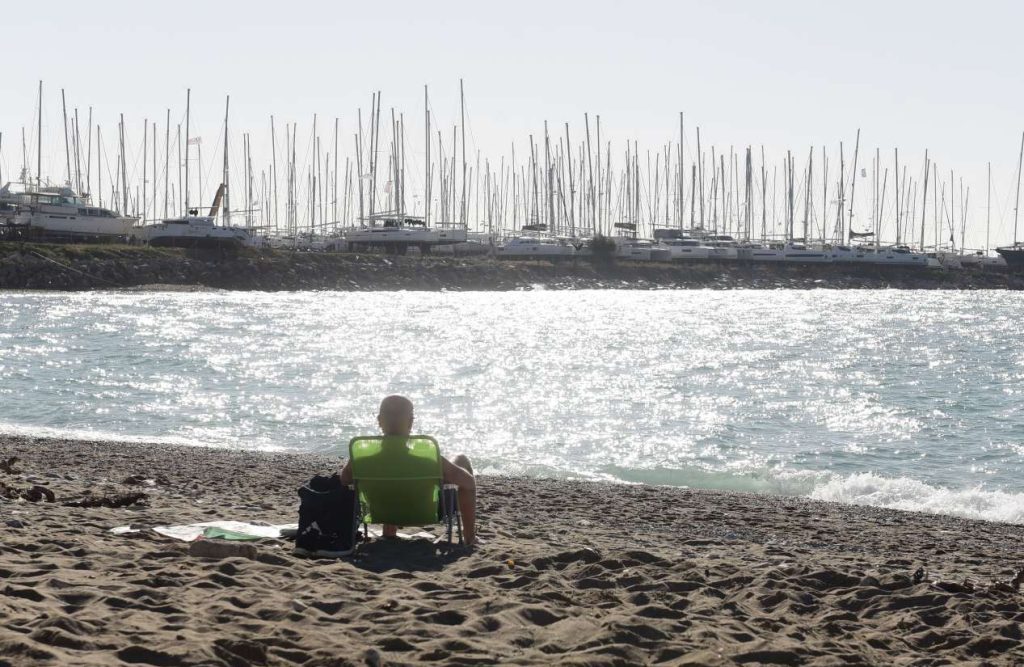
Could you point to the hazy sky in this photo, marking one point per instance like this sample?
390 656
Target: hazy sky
787 75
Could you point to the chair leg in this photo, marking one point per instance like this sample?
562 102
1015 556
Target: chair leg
452 519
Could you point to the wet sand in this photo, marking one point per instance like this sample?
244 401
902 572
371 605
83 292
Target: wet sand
569 573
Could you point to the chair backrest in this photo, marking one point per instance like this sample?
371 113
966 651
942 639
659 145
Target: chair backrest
399 478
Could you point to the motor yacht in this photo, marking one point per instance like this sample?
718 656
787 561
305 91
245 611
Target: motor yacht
191 231
536 247
60 212
396 233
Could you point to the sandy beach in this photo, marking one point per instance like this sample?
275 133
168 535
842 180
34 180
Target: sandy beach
568 573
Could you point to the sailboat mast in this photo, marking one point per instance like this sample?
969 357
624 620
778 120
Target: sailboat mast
1016 204
88 154
39 141
988 209
853 188
764 199
700 180
924 197
99 165
807 193
682 174
188 105
78 155
167 159
334 181
227 166
124 171
896 157
67 149
572 185
590 176
273 169
462 107
145 160
154 172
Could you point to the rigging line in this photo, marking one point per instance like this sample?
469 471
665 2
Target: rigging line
71 268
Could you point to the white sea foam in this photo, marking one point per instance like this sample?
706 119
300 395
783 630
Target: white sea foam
903 493
96 435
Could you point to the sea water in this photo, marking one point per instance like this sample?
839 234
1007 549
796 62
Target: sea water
902 399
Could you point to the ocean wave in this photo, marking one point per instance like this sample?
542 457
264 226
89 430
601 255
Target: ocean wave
899 493
903 493
97 435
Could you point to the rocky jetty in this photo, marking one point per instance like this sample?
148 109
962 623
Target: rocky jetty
82 267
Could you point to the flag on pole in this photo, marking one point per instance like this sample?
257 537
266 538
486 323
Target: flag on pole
195 141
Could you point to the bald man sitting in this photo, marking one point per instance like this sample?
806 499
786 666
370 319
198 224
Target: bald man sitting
395 417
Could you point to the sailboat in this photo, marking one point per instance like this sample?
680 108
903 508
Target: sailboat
1014 254
193 230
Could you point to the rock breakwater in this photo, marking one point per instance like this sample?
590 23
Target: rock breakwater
78 267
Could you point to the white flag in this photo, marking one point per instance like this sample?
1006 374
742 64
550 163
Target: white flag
195 140
387 187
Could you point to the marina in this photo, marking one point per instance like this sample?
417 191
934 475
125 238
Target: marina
681 203
455 333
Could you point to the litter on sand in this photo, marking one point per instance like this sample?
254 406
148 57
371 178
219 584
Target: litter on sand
241 531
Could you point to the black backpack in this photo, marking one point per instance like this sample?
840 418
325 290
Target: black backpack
327 524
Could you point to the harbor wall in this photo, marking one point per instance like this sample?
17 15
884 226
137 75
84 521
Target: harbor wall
84 267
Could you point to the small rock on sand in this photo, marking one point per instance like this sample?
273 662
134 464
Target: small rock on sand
217 549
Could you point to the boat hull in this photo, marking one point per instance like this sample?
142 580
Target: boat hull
60 224
1014 257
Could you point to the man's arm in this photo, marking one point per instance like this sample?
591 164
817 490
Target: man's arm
346 473
466 483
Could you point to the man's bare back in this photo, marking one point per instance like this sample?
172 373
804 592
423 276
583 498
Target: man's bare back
396 418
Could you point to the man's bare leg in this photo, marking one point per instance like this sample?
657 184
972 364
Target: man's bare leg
467 504
467 500
463 462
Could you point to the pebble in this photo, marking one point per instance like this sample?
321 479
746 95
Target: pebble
218 549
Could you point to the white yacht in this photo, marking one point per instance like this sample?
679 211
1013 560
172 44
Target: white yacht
191 231
723 247
397 232
949 259
536 247
899 255
60 212
978 259
476 243
762 252
800 253
641 250
990 261
684 249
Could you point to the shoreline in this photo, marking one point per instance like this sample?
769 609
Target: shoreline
568 571
91 267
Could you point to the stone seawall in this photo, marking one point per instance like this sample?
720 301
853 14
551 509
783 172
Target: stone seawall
79 267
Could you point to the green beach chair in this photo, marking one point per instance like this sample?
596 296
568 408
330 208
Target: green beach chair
399 480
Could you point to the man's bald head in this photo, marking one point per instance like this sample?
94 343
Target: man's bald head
395 415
